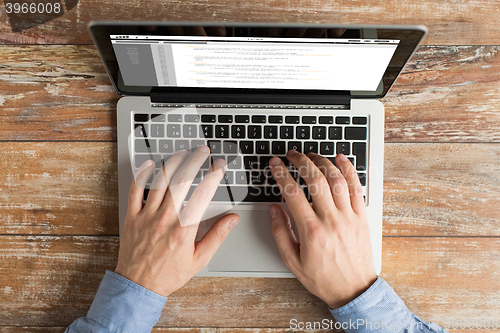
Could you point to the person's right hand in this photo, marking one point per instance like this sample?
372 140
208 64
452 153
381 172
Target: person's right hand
333 259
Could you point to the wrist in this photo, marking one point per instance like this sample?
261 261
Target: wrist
354 292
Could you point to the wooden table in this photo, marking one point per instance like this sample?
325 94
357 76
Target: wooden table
58 169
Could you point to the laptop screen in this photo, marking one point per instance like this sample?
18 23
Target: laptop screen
240 60
250 62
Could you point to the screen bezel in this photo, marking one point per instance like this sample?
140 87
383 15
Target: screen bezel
409 36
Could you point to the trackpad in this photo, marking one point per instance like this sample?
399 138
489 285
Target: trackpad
249 247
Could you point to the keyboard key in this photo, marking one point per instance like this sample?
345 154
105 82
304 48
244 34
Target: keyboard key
362 178
208 118
173 131
286 132
181 144
264 162
228 178
141 130
158 118
197 178
157 131
310 147
270 132
258 178
215 146
207 131
141 117
230 147
238 131
189 131
308 119
246 147
254 132
242 177
359 120
284 160
259 119
213 158
295 145
225 118
319 132
242 119
326 148
166 146
196 143
140 159
234 162
342 120
206 163
351 159
335 133
270 178
326 120
279 147
250 162
262 147
292 119
359 150
343 148
145 146
303 132
275 119
177 118
222 131
355 133
191 118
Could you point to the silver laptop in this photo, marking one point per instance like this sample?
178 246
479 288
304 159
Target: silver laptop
250 92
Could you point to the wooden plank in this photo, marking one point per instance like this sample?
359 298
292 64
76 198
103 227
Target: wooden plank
59 329
466 22
446 93
50 281
71 188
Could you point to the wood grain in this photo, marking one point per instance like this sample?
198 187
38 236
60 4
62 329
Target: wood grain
462 23
71 188
59 92
50 281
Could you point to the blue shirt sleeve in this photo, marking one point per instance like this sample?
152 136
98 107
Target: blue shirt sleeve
120 306
379 309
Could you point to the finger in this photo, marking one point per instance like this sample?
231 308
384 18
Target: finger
336 181
353 183
285 238
317 184
210 242
299 207
203 194
161 181
179 185
136 192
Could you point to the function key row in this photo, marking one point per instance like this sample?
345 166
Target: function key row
245 119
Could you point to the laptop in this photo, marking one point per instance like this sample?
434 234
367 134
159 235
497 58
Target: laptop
250 92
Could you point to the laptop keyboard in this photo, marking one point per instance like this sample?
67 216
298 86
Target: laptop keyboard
247 143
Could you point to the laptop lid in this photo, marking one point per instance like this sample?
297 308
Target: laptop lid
253 63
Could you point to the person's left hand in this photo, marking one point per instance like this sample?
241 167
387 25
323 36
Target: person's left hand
156 252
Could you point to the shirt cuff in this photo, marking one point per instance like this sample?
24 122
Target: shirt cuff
378 309
121 305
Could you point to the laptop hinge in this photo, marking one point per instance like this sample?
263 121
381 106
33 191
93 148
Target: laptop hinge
248 98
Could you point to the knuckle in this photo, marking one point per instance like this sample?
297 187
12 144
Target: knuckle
221 234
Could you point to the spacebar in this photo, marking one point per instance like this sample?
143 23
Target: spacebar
244 194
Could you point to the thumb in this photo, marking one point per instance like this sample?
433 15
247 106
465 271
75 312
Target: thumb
285 237
210 242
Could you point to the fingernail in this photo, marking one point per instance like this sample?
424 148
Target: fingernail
274 212
274 161
148 163
183 152
202 148
342 158
220 163
234 221
292 152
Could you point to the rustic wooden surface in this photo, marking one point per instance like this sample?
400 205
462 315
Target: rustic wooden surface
58 178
